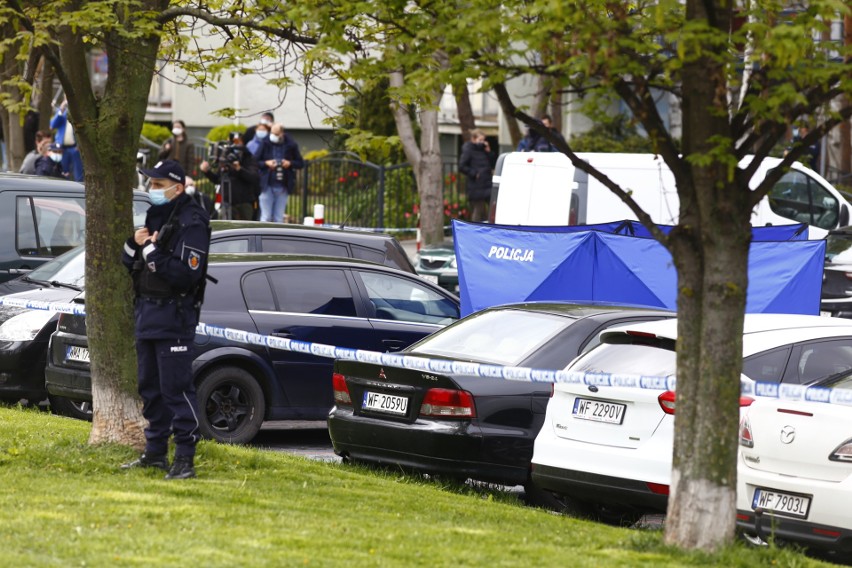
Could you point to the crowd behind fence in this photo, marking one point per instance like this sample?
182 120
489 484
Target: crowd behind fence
353 192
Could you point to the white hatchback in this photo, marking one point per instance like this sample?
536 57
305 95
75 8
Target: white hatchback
612 446
794 478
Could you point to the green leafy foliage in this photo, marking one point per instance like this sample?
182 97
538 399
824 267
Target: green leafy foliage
156 133
221 133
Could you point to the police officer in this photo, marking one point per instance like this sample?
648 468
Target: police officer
168 260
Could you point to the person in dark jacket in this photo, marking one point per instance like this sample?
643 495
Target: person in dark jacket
278 157
179 148
50 163
267 119
167 259
237 176
475 164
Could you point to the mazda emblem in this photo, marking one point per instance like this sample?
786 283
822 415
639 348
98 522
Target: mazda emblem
593 388
788 434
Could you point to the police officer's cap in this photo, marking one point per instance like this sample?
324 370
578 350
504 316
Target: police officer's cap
166 169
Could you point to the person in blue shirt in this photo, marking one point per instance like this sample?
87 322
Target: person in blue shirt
72 162
278 157
167 259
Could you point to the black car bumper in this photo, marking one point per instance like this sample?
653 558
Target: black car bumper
445 447
22 369
813 535
64 377
585 486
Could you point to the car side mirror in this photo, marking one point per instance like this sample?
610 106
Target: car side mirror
844 216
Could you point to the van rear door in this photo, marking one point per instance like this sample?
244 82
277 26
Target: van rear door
535 189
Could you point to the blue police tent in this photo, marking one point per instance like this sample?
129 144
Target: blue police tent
501 264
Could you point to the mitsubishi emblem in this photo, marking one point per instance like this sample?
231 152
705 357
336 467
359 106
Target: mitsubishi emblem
382 374
788 434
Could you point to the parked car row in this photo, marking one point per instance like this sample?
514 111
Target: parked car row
603 450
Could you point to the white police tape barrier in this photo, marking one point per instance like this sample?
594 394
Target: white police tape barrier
525 374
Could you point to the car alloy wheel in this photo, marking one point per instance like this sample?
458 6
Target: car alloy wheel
232 405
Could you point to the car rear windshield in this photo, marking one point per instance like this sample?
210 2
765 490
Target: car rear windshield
501 337
647 359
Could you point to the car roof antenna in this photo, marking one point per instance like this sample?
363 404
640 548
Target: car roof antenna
349 214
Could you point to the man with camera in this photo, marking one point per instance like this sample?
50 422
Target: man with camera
278 157
236 173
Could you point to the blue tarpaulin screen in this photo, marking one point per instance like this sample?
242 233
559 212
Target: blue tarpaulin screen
502 264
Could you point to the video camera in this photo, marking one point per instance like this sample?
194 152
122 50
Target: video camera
226 153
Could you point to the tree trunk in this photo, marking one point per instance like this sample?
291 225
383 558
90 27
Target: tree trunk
107 131
45 97
710 251
430 178
13 133
467 121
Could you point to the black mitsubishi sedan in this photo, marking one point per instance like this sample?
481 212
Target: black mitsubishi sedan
343 302
466 426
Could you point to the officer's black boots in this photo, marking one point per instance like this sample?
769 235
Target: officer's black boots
149 460
181 468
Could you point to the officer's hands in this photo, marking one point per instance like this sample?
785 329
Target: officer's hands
141 235
154 237
205 166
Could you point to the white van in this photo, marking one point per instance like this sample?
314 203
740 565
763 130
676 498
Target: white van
544 188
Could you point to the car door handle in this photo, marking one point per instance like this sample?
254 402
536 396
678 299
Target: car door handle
393 344
284 333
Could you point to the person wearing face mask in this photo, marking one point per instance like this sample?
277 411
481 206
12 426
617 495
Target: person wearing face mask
200 198
179 148
50 162
278 157
167 259
267 119
261 133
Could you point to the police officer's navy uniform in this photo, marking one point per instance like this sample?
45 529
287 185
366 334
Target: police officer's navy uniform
167 275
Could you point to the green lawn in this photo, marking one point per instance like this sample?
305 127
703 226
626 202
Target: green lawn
65 503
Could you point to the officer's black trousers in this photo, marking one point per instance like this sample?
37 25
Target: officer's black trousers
168 395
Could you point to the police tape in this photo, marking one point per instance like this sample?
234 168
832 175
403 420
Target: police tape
443 366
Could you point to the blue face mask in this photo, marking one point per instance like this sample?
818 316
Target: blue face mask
261 134
158 196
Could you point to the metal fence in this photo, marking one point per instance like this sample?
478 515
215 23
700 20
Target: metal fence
352 192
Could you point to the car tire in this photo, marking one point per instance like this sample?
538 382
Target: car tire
79 409
232 405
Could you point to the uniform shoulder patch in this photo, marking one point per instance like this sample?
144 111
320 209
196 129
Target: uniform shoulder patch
194 260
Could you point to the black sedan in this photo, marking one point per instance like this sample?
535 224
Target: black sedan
464 426
341 302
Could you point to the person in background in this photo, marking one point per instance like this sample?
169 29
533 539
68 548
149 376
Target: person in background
267 119
261 133
236 173
200 198
179 148
50 164
42 141
548 123
475 164
72 162
279 158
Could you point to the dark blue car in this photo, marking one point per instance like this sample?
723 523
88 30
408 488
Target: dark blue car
342 302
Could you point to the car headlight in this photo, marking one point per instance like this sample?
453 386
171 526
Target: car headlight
24 326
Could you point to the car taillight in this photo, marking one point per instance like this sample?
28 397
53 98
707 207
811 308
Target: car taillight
842 453
341 391
448 403
658 488
667 402
746 439
62 321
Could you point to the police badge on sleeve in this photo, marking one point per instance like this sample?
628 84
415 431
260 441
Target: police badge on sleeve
193 257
